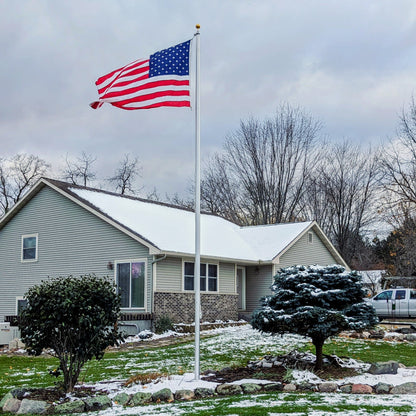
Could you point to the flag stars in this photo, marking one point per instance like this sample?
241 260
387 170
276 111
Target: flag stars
171 61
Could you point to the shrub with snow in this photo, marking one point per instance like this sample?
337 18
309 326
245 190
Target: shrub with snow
317 302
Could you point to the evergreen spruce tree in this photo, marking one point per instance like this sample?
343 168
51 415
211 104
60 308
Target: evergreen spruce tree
317 302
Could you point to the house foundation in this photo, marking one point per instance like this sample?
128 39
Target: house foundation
180 307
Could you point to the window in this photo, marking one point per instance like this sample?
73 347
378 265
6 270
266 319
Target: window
384 295
21 304
400 294
413 294
30 247
310 237
130 281
208 277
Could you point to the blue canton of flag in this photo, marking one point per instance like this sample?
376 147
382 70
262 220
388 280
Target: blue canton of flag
174 60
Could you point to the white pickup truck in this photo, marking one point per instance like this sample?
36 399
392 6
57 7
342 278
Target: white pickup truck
395 303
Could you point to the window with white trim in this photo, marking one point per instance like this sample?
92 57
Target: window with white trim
130 281
310 237
30 247
208 277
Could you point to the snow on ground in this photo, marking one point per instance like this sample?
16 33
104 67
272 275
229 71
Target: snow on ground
238 336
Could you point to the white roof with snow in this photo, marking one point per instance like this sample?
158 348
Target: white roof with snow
172 229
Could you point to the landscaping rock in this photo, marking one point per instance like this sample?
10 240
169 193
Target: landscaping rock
203 392
97 403
5 398
346 388
33 407
405 388
183 395
122 399
77 406
305 386
19 393
389 367
164 395
140 398
328 387
410 337
361 389
289 387
12 405
250 388
273 387
382 388
229 389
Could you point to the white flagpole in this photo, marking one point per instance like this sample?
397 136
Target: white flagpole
197 210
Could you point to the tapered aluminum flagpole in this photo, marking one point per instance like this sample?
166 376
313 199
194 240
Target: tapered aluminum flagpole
197 211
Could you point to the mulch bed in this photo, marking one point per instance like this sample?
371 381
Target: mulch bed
57 395
277 374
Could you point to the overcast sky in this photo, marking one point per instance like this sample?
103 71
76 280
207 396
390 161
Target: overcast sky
350 64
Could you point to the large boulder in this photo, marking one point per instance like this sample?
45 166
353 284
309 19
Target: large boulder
164 395
77 406
140 398
382 388
388 367
97 403
250 388
203 392
183 395
405 388
229 389
33 407
11 405
361 389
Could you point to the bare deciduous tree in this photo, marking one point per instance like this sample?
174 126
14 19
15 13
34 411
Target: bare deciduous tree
259 178
17 175
399 159
125 175
80 171
342 196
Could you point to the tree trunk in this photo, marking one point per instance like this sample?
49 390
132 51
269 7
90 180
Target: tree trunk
319 356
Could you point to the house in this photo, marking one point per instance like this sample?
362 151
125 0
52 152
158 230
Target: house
147 248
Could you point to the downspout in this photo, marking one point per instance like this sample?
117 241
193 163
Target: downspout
156 260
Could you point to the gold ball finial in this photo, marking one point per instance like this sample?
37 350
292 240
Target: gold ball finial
198 26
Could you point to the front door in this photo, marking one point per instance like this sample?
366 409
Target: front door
241 288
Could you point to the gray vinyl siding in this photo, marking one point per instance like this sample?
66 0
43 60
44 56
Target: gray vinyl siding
72 241
169 275
303 252
259 280
227 278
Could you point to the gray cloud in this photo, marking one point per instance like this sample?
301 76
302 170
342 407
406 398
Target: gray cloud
349 64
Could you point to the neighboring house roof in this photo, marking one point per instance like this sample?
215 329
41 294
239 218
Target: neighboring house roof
167 229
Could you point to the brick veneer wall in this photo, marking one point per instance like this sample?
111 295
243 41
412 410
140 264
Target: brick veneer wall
180 307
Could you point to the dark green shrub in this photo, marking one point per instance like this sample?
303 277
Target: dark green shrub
163 324
73 317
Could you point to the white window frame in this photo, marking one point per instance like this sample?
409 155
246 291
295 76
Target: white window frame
206 265
139 260
310 237
23 260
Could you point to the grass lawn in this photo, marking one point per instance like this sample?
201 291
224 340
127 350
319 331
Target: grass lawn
233 348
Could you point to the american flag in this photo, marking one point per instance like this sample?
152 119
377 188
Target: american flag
161 80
